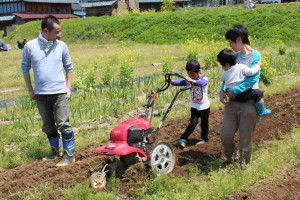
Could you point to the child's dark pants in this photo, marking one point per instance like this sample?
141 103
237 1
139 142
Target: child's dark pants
195 114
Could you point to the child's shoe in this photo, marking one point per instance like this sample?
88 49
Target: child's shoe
261 109
201 141
182 143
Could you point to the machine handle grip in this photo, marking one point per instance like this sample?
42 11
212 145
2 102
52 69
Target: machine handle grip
188 87
167 84
189 84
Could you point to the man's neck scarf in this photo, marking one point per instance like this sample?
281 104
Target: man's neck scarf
46 43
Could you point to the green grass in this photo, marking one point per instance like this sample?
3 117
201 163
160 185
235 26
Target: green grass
265 23
145 55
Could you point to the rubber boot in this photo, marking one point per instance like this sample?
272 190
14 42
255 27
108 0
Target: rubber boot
261 109
69 150
56 147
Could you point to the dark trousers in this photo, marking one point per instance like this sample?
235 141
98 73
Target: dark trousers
54 110
250 94
195 115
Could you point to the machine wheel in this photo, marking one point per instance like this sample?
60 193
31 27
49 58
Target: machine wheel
162 158
98 180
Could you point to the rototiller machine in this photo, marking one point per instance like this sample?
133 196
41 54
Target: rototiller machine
134 141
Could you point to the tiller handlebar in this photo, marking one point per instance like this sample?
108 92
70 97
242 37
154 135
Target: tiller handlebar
152 97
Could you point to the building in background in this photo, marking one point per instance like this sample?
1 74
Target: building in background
16 12
150 5
105 7
7 8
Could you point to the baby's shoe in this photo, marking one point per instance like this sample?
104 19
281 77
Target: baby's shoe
261 109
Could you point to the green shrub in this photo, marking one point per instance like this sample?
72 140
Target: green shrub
126 63
167 64
267 72
192 46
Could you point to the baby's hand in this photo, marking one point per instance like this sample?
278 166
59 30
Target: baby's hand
259 64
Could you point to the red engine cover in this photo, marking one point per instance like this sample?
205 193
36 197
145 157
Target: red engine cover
120 132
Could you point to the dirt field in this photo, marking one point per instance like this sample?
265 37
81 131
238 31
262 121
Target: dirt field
285 112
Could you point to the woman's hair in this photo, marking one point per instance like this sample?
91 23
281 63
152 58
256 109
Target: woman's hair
238 31
192 65
48 22
226 56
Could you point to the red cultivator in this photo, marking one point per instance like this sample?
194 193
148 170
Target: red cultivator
133 140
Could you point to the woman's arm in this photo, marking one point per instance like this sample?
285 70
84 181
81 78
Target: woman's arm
249 81
246 84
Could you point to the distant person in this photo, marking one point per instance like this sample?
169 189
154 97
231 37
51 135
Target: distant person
48 56
3 46
20 45
200 105
234 74
250 4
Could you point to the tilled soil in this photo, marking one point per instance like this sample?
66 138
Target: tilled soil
285 113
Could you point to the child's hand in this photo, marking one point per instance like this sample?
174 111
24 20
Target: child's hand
190 80
168 80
